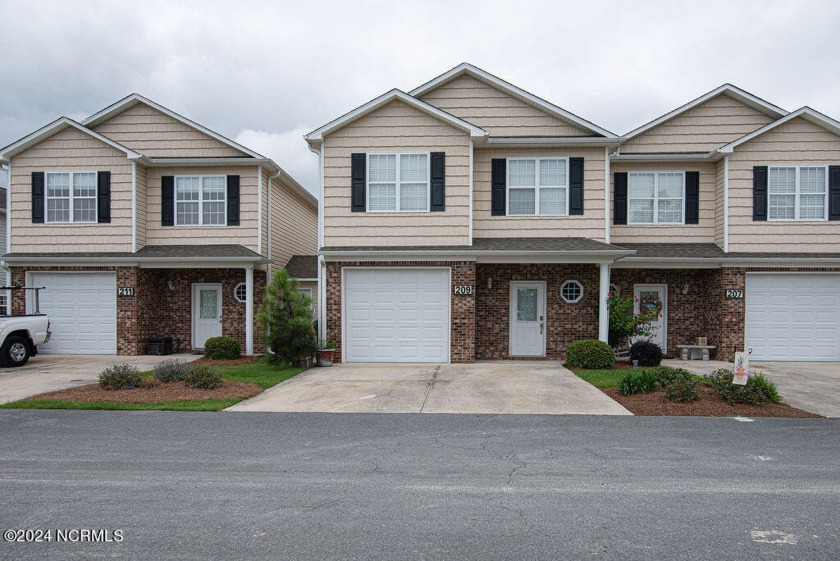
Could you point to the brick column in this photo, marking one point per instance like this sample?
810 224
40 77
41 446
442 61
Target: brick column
462 330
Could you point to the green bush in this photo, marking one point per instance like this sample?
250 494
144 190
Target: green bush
170 371
203 377
287 315
667 374
681 388
757 391
119 377
638 382
221 348
590 353
645 353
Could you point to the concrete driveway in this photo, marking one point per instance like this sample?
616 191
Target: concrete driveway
812 386
45 373
483 387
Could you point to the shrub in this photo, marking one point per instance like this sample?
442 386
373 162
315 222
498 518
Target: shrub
590 353
119 377
170 371
624 323
287 315
203 377
757 391
638 382
666 374
221 348
681 388
647 353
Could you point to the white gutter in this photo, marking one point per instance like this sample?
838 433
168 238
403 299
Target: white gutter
8 247
726 204
134 207
606 195
259 209
707 156
551 141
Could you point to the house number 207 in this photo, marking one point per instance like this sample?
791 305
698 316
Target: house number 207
734 294
463 290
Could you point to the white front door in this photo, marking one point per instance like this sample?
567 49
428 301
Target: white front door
527 318
655 297
206 313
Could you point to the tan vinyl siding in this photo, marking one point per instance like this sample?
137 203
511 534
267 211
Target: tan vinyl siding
793 143
589 225
720 191
396 127
294 225
141 206
70 150
157 135
702 232
710 125
496 111
244 234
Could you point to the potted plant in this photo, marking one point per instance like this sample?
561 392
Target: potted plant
325 352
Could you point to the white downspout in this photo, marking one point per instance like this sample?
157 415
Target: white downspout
8 248
606 195
259 210
133 207
322 271
603 312
726 204
249 310
472 149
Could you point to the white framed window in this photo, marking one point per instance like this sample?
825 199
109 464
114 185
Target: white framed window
797 193
240 293
571 291
538 186
70 197
656 197
398 182
200 200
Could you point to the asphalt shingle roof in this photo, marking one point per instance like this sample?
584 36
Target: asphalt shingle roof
303 267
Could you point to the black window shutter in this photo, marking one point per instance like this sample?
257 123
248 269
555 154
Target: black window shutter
438 181
498 183
233 200
167 200
358 163
37 197
620 198
103 191
692 197
834 193
575 186
760 193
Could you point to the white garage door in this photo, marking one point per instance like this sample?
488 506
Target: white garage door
793 317
396 315
82 308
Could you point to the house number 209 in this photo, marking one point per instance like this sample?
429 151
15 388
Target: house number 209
463 290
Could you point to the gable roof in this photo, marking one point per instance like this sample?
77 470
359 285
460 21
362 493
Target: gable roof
318 134
734 92
133 99
517 92
55 127
806 113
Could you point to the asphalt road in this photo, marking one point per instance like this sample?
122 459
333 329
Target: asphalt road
320 486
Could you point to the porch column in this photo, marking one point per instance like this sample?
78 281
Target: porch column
249 310
603 312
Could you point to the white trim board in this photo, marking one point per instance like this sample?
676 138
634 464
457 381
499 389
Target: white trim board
806 113
54 128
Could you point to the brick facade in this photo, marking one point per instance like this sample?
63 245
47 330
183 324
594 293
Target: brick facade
155 310
565 322
462 327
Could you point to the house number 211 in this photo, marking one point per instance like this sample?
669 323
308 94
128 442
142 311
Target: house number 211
463 290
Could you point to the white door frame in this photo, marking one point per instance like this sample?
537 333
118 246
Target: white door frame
512 312
636 308
196 286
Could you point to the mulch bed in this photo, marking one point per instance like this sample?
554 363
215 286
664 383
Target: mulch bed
152 391
228 362
709 403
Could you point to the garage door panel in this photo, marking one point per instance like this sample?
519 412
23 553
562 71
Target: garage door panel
82 310
793 316
396 315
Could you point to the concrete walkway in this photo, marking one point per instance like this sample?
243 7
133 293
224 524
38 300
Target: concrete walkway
483 387
812 386
46 373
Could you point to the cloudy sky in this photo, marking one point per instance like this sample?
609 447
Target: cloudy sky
265 73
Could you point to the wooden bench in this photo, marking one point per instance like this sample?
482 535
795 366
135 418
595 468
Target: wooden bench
694 352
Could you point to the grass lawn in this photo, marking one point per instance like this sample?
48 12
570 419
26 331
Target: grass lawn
603 379
260 373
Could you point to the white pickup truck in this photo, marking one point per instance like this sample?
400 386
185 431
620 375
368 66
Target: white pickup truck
21 335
